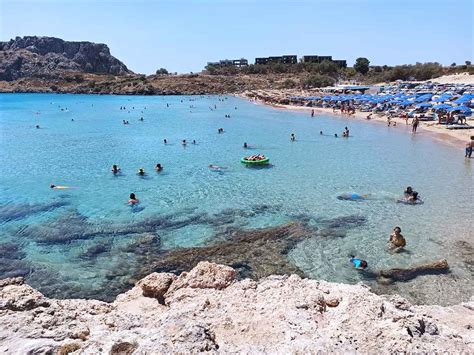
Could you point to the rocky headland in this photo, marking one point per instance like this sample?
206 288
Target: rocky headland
50 57
208 310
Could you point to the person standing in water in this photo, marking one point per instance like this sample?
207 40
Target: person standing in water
133 200
415 124
115 169
312 113
397 241
293 137
469 148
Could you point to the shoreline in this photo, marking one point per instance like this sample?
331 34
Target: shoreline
454 138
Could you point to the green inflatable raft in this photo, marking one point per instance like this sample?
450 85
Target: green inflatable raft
255 162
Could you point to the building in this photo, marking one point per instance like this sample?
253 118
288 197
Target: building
341 63
238 63
321 58
284 59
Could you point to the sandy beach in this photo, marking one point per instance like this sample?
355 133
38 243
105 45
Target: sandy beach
457 138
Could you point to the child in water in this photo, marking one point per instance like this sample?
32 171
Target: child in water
358 263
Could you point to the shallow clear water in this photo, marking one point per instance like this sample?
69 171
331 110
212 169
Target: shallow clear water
303 182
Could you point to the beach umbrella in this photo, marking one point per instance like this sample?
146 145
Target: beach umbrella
442 107
423 98
425 104
405 103
464 98
463 109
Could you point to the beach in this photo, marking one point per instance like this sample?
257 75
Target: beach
273 98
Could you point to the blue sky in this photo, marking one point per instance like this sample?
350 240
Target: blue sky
183 35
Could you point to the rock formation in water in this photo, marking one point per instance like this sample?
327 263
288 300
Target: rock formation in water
49 57
206 309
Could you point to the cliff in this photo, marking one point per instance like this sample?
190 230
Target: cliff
49 57
207 310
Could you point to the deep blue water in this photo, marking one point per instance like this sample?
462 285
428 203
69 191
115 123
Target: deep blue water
81 137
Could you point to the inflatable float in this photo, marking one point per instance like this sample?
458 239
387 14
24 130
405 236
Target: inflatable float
263 161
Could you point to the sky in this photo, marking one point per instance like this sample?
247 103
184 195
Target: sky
182 36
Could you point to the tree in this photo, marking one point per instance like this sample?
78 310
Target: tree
468 62
362 65
162 71
453 65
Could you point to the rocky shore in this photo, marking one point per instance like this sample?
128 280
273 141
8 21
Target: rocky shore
208 310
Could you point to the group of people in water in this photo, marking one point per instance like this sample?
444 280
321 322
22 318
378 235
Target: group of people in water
396 241
141 171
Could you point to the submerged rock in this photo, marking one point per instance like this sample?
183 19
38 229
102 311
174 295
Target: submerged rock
255 253
277 314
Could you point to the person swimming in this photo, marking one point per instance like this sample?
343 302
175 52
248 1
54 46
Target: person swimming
183 142
158 167
133 200
321 132
141 172
194 141
352 196
215 167
58 187
293 137
358 263
245 145
165 141
115 169
37 126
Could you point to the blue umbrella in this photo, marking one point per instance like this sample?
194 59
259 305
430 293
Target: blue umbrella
405 103
442 107
424 105
464 109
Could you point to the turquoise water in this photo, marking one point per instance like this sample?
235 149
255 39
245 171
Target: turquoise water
48 234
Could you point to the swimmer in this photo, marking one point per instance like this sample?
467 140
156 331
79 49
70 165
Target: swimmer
408 192
183 142
141 172
346 132
335 135
58 187
115 169
133 200
358 263
165 141
352 197
414 197
141 119
72 119
37 126
158 167
194 141
245 145
397 241
321 133
292 137
215 167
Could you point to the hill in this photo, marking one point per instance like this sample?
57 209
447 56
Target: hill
50 57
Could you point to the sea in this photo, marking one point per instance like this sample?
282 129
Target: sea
84 240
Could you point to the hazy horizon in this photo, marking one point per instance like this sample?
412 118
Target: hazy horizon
182 36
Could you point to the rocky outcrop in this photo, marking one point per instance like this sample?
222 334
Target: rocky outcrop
207 310
49 57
